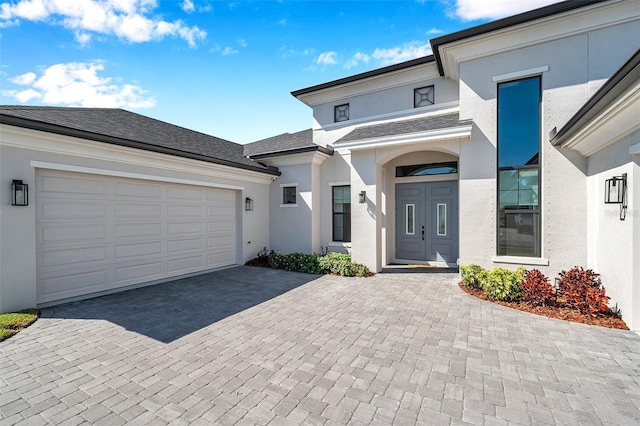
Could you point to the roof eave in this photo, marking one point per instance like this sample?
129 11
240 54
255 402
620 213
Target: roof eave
67 131
303 150
364 75
510 21
610 90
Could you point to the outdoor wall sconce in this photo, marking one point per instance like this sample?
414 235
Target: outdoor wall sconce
19 193
362 197
248 204
615 192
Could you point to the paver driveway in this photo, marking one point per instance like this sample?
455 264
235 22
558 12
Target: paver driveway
253 346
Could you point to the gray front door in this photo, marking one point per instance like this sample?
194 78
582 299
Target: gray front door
427 221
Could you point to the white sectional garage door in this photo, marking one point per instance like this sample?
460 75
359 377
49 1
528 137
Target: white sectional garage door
98 233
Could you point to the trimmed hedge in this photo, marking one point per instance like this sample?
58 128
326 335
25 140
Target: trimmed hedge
335 263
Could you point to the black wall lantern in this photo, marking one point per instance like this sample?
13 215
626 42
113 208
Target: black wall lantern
362 197
248 204
19 193
615 192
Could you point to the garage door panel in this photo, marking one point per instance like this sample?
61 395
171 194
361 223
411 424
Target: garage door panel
73 256
137 230
184 193
222 226
137 190
137 250
107 232
181 228
177 211
185 264
71 284
124 210
219 259
222 213
52 234
71 210
146 271
220 196
70 185
176 246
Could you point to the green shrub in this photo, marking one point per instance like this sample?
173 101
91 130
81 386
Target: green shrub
473 276
502 284
341 264
297 262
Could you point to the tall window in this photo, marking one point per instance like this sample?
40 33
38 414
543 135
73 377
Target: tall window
341 213
519 167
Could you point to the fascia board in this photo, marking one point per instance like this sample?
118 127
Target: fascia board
377 83
19 137
540 31
315 157
460 132
611 125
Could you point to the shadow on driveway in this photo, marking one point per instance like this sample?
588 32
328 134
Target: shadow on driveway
169 311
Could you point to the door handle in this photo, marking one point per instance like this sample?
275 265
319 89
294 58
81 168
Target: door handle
423 233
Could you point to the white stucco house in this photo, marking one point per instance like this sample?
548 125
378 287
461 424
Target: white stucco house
495 150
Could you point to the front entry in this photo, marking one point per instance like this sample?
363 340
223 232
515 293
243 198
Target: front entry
427 221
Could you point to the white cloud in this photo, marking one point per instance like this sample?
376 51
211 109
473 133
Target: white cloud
78 84
242 42
187 6
434 31
228 51
357 59
82 38
288 52
24 79
470 10
406 52
327 58
283 21
131 20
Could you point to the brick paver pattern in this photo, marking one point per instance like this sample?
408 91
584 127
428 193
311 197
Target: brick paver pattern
258 346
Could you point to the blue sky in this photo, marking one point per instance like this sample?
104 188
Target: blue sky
222 68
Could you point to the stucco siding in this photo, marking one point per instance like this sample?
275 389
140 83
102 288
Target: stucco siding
573 67
612 249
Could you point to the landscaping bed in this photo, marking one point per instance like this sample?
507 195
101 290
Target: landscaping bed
326 263
558 312
578 295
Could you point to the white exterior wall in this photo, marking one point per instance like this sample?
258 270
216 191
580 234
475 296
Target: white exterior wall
613 243
388 101
572 69
19 147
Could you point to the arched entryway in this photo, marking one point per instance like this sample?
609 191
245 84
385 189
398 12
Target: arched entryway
421 189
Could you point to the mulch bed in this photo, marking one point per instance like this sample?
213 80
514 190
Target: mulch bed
558 312
258 261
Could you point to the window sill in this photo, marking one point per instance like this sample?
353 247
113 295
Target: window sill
339 244
537 261
288 205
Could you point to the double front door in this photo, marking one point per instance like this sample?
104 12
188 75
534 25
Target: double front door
427 221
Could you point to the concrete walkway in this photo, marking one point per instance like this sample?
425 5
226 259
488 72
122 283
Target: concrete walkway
257 346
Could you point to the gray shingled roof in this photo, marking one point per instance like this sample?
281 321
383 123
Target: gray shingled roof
125 128
417 125
286 143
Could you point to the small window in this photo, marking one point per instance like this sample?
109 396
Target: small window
442 219
427 169
410 219
341 113
423 96
289 195
341 196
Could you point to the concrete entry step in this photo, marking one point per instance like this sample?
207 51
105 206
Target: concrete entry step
420 269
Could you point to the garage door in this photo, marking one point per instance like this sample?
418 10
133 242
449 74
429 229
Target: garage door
98 233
